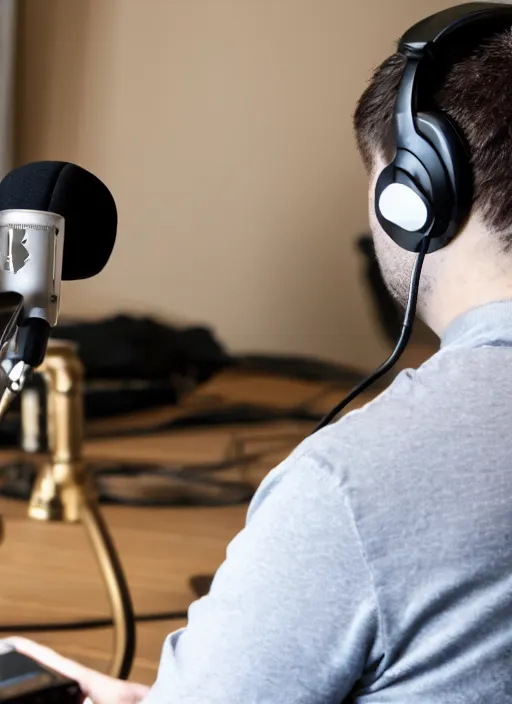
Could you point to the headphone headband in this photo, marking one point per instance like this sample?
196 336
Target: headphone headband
425 40
430 31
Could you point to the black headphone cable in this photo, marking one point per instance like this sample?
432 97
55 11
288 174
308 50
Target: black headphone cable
403 340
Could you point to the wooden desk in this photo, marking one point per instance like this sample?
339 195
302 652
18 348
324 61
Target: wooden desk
47 571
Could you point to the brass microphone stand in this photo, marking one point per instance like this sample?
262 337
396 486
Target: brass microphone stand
64 491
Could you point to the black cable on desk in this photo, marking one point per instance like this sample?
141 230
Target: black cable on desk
232 414
88 624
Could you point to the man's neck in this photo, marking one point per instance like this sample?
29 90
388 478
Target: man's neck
471 272
460 296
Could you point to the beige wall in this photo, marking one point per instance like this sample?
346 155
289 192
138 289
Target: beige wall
223 128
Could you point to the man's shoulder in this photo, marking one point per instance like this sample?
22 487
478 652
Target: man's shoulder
410 405
393 411
384 435
408 426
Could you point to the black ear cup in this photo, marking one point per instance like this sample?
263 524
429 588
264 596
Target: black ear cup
425 188
453 153
402 205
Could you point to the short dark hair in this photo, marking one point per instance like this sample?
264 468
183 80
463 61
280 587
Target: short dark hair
476 93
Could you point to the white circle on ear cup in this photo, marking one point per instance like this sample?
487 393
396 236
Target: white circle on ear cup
402 206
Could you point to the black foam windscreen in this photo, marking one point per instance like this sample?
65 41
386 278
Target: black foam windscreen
85 203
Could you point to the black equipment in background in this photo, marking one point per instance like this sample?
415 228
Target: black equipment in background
130 347
137 363
133 363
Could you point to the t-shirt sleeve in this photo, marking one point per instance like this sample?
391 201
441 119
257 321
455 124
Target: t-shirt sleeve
291 616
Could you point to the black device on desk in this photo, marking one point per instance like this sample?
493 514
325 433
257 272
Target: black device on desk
25 681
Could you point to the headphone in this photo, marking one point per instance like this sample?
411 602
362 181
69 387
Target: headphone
424 195
427 190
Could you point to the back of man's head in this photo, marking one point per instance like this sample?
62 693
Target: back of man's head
473 88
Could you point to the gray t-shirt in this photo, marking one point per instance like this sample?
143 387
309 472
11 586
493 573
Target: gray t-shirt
376 563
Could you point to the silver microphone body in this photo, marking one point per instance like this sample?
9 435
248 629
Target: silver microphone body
31 252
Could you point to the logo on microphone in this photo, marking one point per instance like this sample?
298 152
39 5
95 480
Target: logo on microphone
14 253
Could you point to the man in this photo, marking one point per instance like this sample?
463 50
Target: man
376 564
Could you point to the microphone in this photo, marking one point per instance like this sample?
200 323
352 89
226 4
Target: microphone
57 222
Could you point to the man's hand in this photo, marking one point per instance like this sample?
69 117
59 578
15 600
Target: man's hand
100 688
